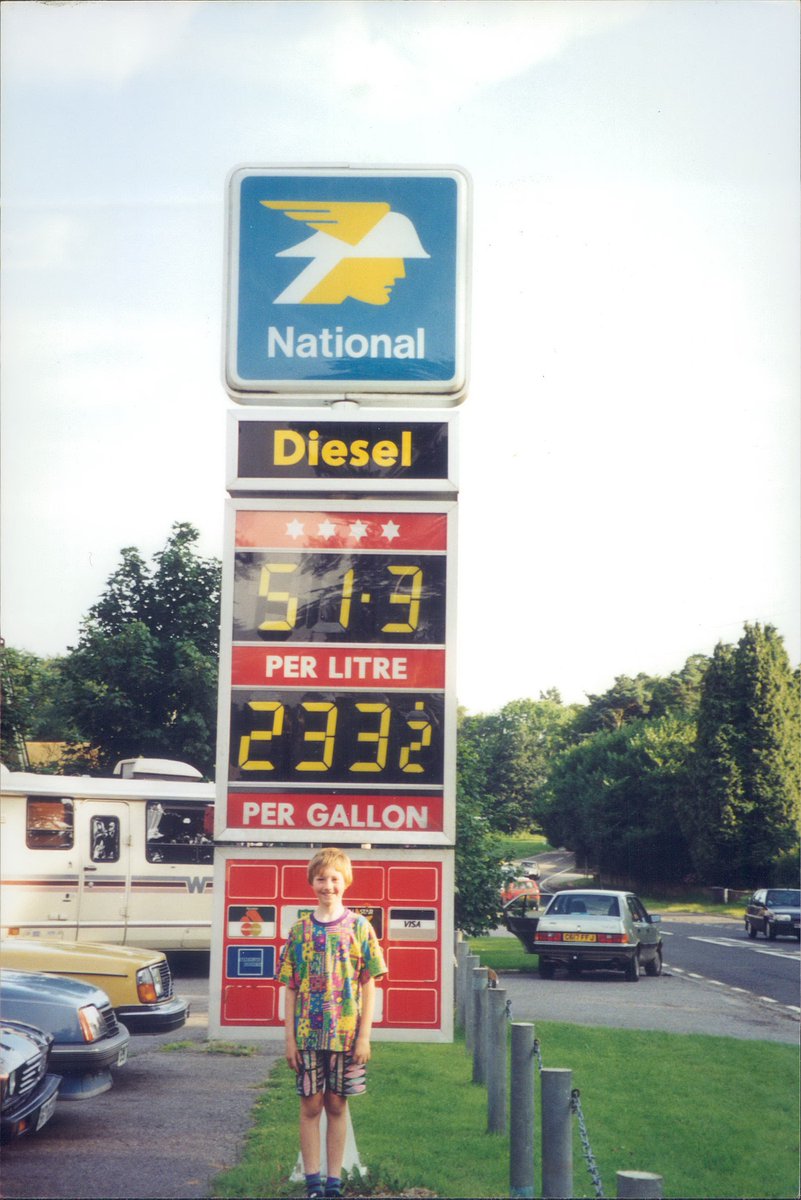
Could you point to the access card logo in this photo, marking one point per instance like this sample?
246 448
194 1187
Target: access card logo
346 282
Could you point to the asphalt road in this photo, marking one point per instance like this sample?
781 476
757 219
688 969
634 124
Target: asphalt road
673 1003
718 950
716 980
715 949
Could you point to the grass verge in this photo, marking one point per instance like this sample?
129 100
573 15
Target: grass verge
232 1049
680 1105
522 845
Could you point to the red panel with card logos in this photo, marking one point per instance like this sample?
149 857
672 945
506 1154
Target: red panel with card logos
405 894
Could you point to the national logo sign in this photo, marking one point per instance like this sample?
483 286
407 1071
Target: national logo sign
369 298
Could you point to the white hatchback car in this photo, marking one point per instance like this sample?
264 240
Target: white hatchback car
593 928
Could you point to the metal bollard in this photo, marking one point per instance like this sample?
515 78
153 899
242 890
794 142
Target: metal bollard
496 1061
471 961
639 1185
462 951
521 1118
480 985
557 1134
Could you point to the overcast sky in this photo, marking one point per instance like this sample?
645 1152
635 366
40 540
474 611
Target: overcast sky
629 444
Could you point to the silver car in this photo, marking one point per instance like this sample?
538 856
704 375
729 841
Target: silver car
594 928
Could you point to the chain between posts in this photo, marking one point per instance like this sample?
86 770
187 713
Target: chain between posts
575 1106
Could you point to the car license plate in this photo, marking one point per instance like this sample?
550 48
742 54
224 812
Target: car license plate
47 1110
122 1056
579 937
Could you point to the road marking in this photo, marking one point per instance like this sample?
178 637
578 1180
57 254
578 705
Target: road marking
791 1010
744 946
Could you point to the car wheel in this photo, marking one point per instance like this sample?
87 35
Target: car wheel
654 966
749 929
770 931
546 969
633 968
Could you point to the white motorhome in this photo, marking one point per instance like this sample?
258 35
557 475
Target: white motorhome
126 859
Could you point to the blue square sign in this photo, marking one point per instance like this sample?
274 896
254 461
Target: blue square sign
250 962
347 282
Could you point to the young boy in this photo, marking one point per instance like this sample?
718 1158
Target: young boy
329 966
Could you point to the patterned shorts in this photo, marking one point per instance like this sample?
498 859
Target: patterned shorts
330 1071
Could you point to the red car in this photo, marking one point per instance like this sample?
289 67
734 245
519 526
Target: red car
521 886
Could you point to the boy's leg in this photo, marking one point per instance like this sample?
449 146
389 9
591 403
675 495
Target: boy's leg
310 1109
336 1108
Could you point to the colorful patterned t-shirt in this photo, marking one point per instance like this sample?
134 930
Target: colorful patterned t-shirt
326 963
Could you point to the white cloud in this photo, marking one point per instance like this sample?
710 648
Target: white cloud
106 42
48 241
395 59
440 55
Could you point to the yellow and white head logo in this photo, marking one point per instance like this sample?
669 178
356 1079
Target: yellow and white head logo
357 251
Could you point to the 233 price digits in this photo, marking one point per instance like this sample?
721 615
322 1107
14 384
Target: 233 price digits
354 737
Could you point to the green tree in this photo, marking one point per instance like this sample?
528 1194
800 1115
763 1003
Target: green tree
680 693
144 672
478 872
742 812
627 700
644 697
477 854
510 752
35 703
613 800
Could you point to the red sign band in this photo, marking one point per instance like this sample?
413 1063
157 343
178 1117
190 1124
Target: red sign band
326 666
341 530
281 811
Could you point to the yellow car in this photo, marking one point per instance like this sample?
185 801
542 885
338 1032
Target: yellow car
137 982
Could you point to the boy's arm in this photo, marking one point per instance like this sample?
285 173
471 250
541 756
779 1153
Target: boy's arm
361 1049
290 1043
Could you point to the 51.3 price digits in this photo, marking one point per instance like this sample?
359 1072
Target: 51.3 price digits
369 598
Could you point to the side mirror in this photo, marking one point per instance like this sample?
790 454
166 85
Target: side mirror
655 919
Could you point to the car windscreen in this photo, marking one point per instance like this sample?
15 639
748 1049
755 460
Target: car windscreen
786 896
584 904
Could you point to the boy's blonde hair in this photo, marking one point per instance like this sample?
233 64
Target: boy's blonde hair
332 859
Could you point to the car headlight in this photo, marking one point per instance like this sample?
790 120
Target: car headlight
148 985
782 917
8 1085
92 1024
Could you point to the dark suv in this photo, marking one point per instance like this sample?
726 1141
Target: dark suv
774 912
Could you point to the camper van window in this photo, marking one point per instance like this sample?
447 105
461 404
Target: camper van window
176 833
49 824
105 838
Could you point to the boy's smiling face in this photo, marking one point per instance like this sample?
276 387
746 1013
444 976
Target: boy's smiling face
329 886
